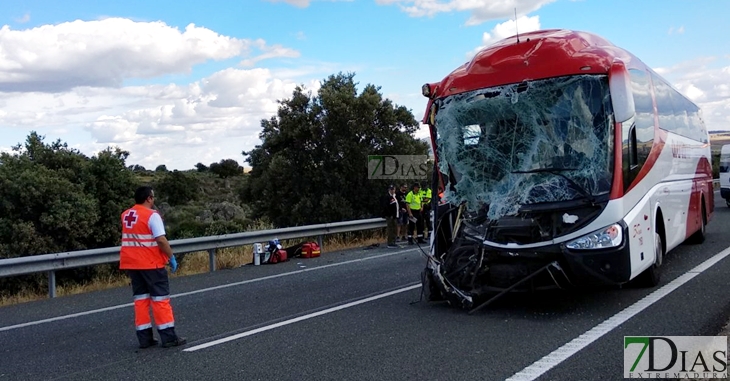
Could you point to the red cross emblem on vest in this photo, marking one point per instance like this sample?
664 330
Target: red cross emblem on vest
130 219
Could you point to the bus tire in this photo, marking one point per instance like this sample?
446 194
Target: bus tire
699 236
651 276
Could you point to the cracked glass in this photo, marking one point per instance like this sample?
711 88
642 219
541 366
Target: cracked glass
534 142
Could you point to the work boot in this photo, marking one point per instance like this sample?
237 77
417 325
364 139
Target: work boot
175 343
146 338
170 339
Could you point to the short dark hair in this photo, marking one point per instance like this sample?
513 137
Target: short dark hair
142 194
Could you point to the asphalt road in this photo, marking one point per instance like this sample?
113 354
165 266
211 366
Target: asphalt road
355 315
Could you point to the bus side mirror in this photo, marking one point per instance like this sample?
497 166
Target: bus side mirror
622 98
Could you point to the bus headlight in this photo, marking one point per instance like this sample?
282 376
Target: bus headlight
610 236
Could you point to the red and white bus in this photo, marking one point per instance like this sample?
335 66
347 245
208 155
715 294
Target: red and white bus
563 160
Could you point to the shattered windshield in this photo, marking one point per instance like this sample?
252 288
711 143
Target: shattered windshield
534 142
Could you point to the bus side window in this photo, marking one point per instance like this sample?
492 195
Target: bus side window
639 139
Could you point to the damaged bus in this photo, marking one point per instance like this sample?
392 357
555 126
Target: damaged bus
562 160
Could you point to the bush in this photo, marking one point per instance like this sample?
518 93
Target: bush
177 188
55 199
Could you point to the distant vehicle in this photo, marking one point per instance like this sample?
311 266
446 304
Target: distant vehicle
556 170
725 173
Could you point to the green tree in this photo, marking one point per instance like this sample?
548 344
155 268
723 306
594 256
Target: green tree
201 167
112 186
55 199
161 168
177 188
226 168
312 164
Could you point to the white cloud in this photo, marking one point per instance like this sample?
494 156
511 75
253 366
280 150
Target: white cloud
706 81
480 10
208 120
113 129
679 30
270 52
296 3
507 29
303 3
24 19
57 58
693 92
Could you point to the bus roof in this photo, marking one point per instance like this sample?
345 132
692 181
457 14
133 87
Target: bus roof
539 54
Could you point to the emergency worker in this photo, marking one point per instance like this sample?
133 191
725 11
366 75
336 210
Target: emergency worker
415 219
145 252
426 207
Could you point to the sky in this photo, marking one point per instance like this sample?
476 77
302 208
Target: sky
185 82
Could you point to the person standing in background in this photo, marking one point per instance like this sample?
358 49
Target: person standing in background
426 207
403 219
391 213
413 206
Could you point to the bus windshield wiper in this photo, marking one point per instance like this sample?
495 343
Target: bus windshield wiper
557 171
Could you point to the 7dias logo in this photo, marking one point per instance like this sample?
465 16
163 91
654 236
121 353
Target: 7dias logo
675 357
397 167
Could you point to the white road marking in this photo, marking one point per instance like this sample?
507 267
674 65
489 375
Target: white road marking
540 367
70 316
64 317
300 318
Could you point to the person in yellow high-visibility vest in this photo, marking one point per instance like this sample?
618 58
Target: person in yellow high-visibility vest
415 219
426 207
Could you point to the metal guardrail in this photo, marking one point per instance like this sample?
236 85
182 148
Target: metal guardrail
68 260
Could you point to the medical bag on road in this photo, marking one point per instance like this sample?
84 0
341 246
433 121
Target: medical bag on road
310 250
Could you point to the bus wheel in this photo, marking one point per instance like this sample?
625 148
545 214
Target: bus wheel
699 236
651 276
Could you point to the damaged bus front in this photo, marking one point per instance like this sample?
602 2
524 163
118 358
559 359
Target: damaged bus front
526 138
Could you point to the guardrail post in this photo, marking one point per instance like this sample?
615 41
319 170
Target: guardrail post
211 254
320 243
52 284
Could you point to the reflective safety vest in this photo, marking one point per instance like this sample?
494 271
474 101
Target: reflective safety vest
139 247
414 200
425 195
